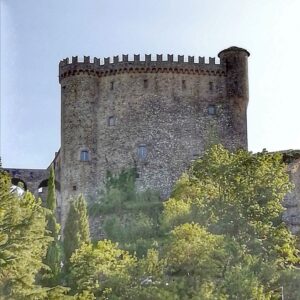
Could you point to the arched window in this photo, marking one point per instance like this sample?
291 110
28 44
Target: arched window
44 184
18 186
84 155
19 183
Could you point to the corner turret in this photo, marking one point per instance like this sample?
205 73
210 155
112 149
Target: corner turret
235 62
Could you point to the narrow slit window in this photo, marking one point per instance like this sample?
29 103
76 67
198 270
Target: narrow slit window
142 152
145 83
111 121
212 110
183 84
111 85
84 155
211 86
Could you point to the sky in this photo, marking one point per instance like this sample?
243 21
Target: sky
37 34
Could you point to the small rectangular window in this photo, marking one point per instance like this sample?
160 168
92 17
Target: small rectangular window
74 187
183 83
111 85
211 86
111 121
212 110
84 155
145 83
142 152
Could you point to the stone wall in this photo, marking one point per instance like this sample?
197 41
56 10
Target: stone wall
291 215
154 115
31 179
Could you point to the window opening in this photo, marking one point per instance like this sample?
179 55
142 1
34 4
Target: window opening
111 85
212 110
142 152
145 83
111 121
84 155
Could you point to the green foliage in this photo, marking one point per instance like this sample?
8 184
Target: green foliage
239 196
76 231
220 236
202 253
23 242
51 196
120 195
101 269
130 218
290 281
52 273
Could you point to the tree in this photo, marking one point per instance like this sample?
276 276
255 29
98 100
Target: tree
76 231
53 260
239 196
129 217
102 269
23 242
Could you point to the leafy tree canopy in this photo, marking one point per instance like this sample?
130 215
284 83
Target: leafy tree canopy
76 231
23 242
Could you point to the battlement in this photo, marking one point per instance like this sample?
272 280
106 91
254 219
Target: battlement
137 64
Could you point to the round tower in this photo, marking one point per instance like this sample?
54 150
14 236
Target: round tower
235 61
78 131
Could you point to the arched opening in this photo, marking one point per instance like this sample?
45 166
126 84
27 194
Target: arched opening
44 184
19 183
18 186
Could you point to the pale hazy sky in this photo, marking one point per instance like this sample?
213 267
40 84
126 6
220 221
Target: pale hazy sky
37 34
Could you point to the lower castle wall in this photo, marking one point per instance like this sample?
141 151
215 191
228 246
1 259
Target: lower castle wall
291 215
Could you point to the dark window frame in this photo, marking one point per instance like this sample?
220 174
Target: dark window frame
84 155
142 152
111 121
212 110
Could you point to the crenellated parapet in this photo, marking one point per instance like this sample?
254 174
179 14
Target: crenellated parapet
117 65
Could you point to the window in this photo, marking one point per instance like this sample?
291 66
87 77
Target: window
211 86
183 84
111 121
84 155
145 83
74 187
212 110
111 85
142 152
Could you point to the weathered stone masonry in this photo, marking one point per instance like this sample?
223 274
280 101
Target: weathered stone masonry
154 114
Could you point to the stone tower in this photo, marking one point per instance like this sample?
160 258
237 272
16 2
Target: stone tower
153 114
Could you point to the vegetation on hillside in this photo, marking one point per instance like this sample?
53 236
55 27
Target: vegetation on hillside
130 217
219 236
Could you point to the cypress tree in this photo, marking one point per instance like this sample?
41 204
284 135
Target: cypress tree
53 257
51 197
76 231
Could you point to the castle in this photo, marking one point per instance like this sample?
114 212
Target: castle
154 114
